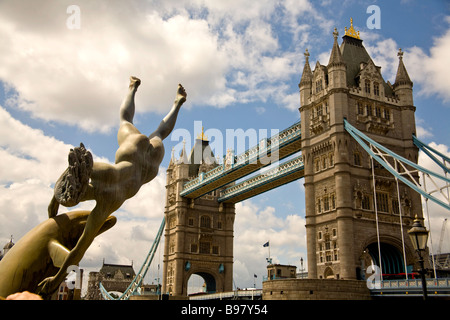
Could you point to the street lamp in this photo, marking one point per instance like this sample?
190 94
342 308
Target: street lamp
419 237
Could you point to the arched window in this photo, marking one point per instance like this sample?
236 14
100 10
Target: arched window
205 222
367 86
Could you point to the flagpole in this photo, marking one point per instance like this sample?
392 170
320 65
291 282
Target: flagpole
267 244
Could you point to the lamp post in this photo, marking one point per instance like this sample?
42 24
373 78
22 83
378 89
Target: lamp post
419 237
301 263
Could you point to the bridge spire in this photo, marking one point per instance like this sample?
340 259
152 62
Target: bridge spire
403 84
336 56
305 84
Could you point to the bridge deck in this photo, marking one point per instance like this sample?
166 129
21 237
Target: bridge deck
286 143
230 295
285 173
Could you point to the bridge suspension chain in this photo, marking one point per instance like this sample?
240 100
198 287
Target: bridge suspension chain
137 281
402 168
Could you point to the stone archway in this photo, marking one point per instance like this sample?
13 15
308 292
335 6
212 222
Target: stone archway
328 273
209 284
392 262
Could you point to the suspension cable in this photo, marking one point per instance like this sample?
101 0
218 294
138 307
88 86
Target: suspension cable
429 227
376 218
401 224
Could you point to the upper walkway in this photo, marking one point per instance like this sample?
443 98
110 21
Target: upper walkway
267 152
284 173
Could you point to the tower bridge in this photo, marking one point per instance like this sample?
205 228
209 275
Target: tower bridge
360 198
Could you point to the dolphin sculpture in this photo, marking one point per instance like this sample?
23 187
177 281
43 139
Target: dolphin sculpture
41 252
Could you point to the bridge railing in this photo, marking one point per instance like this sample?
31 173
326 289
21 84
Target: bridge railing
440 283
271 174
412 287
251 155
235 295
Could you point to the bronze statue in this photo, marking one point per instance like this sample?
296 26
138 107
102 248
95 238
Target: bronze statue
41 252
137 162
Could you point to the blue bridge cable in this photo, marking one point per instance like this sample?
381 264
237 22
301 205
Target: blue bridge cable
358 136
429 152
137 281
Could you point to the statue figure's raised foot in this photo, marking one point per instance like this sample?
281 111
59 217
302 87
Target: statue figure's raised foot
134 82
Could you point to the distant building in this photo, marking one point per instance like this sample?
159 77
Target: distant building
280 271
114 277
6 248
66 293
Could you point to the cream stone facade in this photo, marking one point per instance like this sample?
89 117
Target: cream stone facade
198 233
341 204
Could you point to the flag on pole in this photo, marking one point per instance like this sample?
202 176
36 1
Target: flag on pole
266 244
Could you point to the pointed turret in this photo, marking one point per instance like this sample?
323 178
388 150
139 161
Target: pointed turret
336 56
402 76
403 84
201 158
172 159
183 157
307 73
336 66
305 84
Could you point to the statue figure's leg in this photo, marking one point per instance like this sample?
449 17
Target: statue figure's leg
126 113
168 123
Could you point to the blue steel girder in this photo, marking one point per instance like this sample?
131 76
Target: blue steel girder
284 173
431 152
379 153
278 147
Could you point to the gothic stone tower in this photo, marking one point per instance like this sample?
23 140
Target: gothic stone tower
198 233
340 197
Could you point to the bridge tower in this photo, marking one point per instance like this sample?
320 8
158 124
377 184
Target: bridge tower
198 233
343 200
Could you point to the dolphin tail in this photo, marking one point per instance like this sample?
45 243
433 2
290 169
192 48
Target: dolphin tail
73 183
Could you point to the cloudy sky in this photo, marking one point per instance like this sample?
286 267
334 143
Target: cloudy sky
64 70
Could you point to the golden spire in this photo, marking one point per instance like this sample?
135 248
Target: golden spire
351 32
202 136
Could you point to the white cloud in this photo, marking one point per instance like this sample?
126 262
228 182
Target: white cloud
256 225
432 71
222 52
28 154
429 72
80 76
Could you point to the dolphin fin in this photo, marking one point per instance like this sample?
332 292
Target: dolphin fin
58 253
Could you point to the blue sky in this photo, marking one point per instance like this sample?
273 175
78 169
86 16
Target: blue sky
240 62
